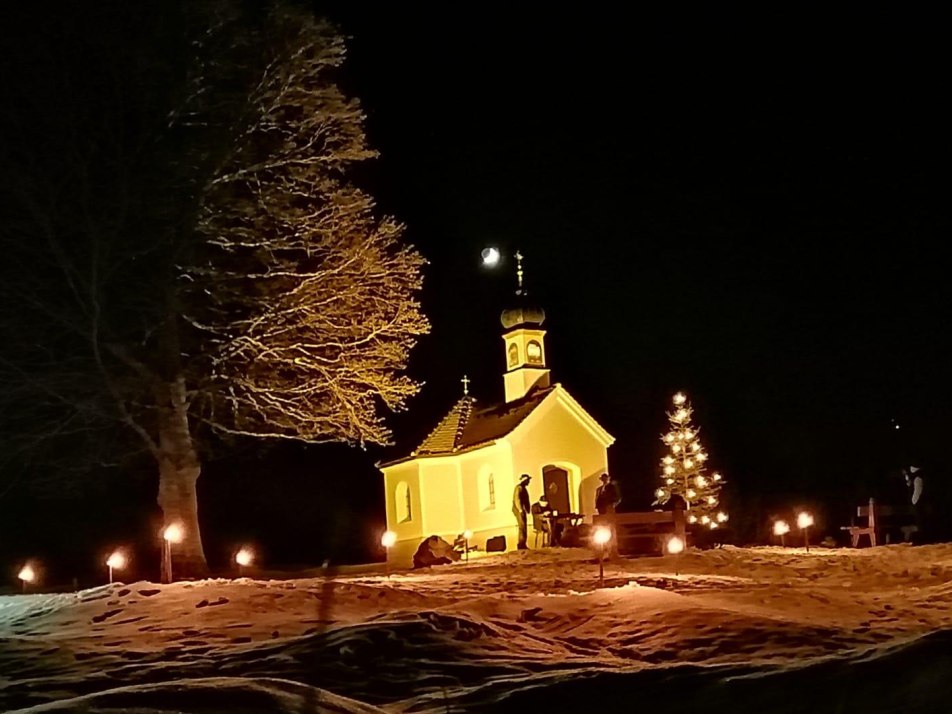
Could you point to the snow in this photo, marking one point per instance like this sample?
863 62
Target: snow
755 629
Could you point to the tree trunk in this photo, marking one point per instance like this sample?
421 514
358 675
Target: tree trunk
179 470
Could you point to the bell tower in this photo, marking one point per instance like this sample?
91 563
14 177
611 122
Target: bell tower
524 341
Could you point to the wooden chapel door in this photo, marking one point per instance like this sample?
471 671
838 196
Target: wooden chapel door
555 481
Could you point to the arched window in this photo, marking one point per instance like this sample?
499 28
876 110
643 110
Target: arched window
513 354
486 483
534 353
402 502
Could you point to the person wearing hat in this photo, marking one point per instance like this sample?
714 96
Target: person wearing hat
607 497
520 508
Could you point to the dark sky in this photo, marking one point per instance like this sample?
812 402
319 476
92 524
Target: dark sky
753 209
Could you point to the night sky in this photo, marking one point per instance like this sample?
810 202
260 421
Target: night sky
751 209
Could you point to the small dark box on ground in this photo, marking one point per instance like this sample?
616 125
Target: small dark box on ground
496 544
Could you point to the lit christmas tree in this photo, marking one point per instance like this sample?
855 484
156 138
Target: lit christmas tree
683 471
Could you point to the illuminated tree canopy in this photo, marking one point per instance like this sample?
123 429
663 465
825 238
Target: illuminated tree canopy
193 259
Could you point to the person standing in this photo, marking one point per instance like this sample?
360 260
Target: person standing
607 496
914 482
520 508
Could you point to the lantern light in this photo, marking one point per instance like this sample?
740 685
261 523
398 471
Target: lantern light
244 557
388 539
804 520
602 535
116 561
780 528
27 574
173 533
675 545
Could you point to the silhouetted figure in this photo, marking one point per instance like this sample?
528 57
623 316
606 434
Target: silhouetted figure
916 485
520 508
607 496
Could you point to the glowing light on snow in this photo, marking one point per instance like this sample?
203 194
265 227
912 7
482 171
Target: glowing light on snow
388 539
174 533
780 528
602 535
245 557
490 257
117 560
679 399
27 574
675 545
804 520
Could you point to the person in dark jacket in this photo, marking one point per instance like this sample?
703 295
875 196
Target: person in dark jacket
607 496
520 508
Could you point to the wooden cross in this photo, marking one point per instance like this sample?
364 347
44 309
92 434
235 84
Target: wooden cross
465 380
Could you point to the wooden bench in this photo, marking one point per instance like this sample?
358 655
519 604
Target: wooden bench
879 520
646 531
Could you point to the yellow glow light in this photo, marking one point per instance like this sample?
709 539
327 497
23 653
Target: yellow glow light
780 528
659 493
668 438
669 470
679 399
668 460
388 539
669 481
716 476
695 447
688 434
116 561
705 519
467 534
722 517
675 545
602 535
690 493
688 464
701 481
174 533
692 519
245 556
676 448
711 500
804 520
713 525
27 574
681 415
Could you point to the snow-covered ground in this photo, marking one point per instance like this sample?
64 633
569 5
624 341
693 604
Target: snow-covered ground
754 629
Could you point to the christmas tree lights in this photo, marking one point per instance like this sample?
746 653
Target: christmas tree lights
683 473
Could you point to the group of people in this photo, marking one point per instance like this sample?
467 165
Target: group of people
607 498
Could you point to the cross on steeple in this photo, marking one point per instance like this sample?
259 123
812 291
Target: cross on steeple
519 272
465 380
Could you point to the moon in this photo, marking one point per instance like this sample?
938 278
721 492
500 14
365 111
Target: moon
490 257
